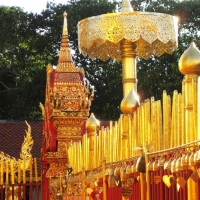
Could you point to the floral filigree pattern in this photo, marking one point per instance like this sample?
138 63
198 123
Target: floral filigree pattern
153 33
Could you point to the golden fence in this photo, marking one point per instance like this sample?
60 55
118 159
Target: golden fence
155 126
160 130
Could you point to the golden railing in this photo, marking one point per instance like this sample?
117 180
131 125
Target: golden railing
156 129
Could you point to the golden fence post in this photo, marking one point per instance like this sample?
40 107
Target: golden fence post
12 171
142 182
31 170
36 172
6 172
189 66
2 163
24 171
104 179
19 171
148 181
83 183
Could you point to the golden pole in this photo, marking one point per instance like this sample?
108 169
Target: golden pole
6 172
179 118
195 103
95 152
81 157
36 172
24 172
84 149
100 147
135 137
117 141
2 163
198 108
125 136
165 120
130 138
148 122
189 66
183 112
148 181
87 152
110 133
12 171
83 183
129 62
120 135
31 169
104 179
19 171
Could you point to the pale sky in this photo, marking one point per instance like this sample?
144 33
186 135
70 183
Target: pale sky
35 6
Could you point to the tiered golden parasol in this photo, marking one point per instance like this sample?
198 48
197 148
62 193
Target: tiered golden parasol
126 35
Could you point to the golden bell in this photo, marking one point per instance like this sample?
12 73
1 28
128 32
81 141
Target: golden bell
191 160
107 171
150 166
167 164
173 166
117 171
133 168
140 164
155 165
184 160
197 158
112 181
178 166
161 162
128 169
123 175
110 171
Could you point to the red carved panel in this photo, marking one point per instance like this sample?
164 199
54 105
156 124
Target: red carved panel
67 77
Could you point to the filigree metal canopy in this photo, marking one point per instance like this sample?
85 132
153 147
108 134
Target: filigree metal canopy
153 34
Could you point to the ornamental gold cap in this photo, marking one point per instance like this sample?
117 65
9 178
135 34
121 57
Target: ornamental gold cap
189 62
92 124
129 102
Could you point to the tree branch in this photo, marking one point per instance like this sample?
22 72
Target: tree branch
8 89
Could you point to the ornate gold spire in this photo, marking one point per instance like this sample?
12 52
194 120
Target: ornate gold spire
189 62
65 62
126 6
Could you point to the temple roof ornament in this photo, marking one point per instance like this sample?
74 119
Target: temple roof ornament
68 99
65 62
129 102
189 62
92 124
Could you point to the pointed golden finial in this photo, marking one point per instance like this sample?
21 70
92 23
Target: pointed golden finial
130 101
126 6
65 62
189 62
65 40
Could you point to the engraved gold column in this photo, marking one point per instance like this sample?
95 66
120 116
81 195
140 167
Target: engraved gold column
125 35
189 65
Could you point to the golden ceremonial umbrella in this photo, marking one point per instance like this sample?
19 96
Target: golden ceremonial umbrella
126 35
